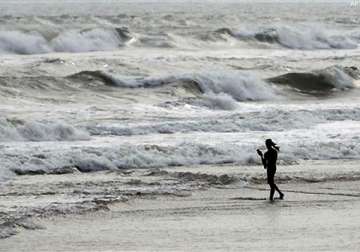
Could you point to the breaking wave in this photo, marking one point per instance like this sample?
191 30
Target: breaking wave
97 39
19 130
89 159
319 82
216 89
304 38
280 121
105 36
221 89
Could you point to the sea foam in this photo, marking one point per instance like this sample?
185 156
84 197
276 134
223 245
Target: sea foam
220 88
20 130
303 37
33 42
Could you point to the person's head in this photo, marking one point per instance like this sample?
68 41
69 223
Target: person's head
270 144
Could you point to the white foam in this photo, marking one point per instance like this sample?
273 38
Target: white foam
236 122
312 38
220 101
91 40
19 42
16 130
337 140
44 40
23 43
217 150
304 37
337 77
221 87
240 86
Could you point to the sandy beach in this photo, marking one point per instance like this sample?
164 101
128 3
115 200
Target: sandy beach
318 216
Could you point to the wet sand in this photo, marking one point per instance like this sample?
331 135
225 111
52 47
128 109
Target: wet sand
313 217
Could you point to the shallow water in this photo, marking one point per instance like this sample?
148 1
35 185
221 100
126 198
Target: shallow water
216 220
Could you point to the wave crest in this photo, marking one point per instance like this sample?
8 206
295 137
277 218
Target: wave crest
318 82
98 39
220 89
88 159
303 38
105 36
18 130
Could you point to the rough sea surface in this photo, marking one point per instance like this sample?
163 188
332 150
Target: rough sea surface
129 89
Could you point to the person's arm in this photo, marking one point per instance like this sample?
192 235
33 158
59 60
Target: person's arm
262 158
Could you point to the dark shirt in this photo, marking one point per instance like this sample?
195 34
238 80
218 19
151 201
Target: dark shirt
270 158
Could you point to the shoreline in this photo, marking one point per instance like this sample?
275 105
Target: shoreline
234 217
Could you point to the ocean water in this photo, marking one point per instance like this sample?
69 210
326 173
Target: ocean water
106 86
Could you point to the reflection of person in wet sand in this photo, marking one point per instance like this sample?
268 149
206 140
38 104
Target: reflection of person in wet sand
269 161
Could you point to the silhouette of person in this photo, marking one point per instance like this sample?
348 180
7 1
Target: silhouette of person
269 161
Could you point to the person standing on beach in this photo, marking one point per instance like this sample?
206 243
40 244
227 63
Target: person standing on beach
269 161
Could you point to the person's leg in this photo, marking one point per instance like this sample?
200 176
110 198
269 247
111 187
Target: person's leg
272 192
281 195
278 190
270 178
